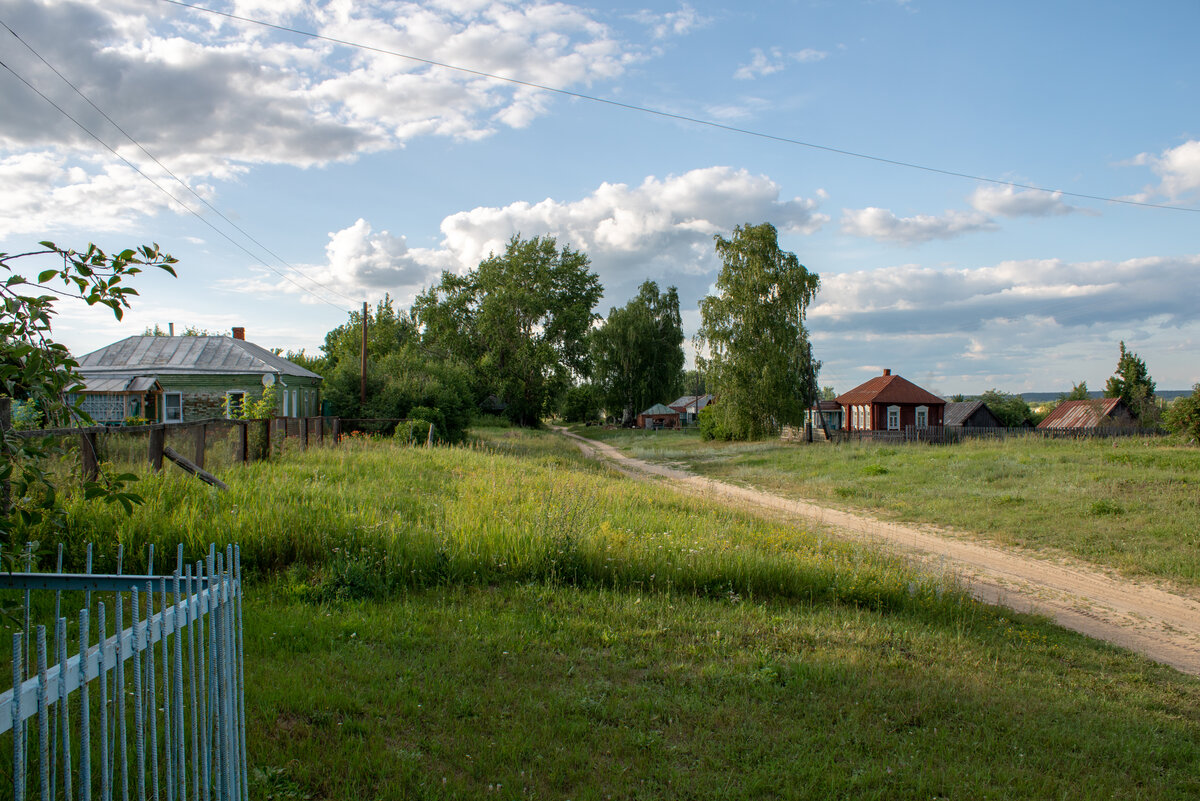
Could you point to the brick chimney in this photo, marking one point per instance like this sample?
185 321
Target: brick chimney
886 370
239 333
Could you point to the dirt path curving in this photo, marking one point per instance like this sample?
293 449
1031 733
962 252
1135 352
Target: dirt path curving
1162 625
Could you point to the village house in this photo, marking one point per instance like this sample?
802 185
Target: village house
1093 413
890 403
825 415
690 406
171 379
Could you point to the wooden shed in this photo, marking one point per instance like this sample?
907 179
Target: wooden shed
658 416
1094 413
969 414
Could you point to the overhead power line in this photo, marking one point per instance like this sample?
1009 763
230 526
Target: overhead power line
179 180
679 117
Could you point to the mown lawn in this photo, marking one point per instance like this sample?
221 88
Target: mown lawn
509 620
1129 504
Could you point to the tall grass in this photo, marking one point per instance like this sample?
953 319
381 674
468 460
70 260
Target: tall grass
369 518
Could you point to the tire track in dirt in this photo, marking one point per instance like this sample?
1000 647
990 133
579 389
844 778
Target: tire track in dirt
1143 617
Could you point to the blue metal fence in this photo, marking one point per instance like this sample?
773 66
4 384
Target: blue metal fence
69 721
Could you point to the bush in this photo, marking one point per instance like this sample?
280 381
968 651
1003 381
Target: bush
711 425
1183 415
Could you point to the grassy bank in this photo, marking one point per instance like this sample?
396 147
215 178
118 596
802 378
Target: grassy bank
1130 504
511 619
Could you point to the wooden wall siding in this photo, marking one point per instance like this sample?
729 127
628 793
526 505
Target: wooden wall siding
204 394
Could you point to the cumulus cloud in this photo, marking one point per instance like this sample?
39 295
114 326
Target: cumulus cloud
1178 167
212 98
885 226
1008 201
661 227
1019 325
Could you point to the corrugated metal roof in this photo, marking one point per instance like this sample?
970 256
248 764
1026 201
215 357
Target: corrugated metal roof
888 389
658 408
1081 413
187 355
119 384
958 412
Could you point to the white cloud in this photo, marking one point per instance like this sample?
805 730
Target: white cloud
1179 168
672 23
662 227
212 98
1008 201
1020 325
768 62
885 226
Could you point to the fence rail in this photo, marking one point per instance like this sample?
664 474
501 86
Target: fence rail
945 435
187 712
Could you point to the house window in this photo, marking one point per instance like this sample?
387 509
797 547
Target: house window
103 408
893 418
922 417
172 407
233 403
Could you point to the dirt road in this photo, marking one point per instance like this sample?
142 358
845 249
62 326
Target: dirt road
1163 625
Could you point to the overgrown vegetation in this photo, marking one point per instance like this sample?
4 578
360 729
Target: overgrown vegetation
1034 492
508 618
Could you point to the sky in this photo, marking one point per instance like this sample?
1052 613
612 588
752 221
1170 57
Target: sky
892 143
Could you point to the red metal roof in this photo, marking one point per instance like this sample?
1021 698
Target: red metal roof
1081 413
888 388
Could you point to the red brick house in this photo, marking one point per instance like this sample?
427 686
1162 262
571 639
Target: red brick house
890 403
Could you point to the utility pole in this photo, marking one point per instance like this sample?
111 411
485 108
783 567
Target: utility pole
362 387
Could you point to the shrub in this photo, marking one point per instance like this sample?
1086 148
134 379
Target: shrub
712 426
1183 415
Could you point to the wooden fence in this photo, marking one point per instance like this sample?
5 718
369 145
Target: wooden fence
948 435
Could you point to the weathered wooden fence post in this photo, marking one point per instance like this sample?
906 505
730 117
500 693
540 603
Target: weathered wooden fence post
198 433
303 423
244 442
89 456
158 439
337 430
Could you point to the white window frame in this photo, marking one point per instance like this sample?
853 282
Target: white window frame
166 396
229 401
893 423
922 419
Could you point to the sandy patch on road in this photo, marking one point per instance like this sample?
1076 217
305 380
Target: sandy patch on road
1163 625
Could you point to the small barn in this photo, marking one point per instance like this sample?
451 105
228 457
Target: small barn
1094 413
658 416
171 379
890 403
969 414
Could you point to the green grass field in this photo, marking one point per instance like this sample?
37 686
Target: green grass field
511 620
1129 504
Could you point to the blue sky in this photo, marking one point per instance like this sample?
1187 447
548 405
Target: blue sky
363 173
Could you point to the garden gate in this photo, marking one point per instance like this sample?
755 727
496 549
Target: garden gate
103 716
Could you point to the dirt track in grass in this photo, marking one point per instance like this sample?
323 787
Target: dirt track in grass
1144 617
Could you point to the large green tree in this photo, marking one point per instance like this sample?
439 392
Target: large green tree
637 355
754 348
1183 415
404 377
1011 410
1132 384
520 320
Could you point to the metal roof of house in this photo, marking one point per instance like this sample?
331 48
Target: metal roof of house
888 388
1081 413
658 408
959 412
185 355
687 400
121 384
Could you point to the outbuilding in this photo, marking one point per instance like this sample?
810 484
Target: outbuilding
969 414
1085 414
658 416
